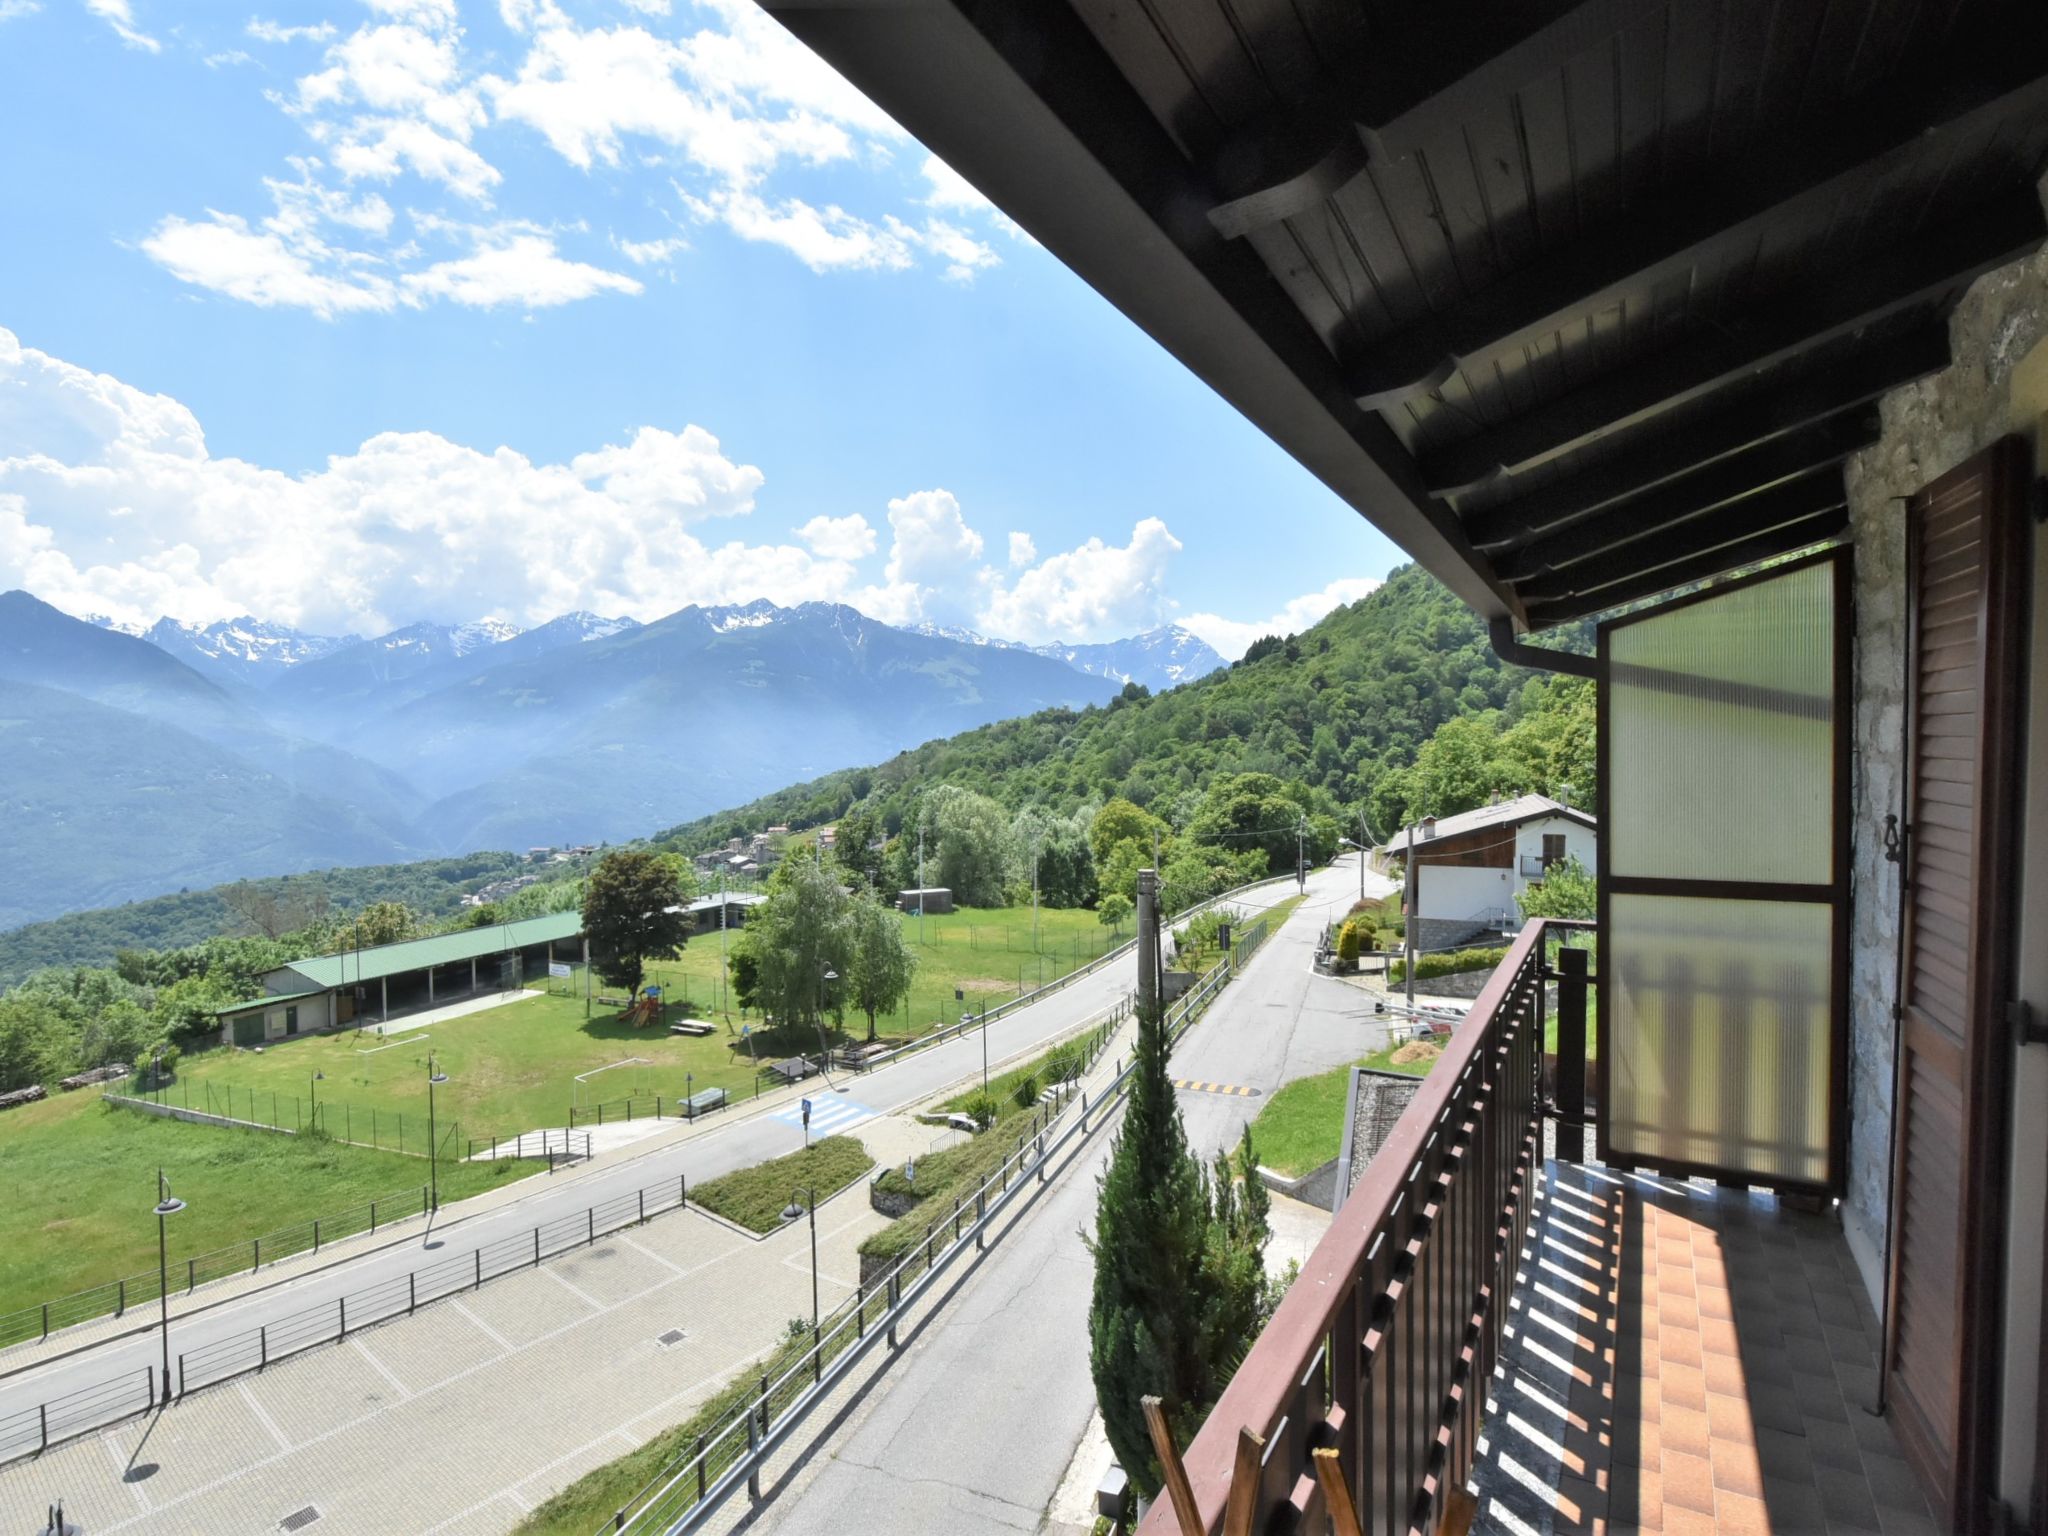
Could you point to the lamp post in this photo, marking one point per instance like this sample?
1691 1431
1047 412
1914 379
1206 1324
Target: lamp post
790 1212
435 1077
1361 864
313 1092
167 1205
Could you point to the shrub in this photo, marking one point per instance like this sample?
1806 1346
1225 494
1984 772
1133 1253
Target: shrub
1348 943
1062 1064
1026 1092
1448 963
982 1109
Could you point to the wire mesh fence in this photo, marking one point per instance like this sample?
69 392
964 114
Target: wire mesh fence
388 1130
34 1430
186 1275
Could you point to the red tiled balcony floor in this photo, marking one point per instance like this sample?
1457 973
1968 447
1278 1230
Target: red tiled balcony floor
1687 1359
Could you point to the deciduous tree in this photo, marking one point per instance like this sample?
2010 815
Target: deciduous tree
879 964
632 911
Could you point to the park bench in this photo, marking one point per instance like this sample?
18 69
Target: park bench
691 1027
703 1103
614 1002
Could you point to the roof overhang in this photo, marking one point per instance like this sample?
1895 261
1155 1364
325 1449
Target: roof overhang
1574 301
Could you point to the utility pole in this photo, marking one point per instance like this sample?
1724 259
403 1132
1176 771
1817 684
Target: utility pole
722 974
1364 842
1301 852
1148 938
920 883
1034 893
1409 886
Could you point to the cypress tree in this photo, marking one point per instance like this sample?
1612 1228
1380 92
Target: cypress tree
1150 1332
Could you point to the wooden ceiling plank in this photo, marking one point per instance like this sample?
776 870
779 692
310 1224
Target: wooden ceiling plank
1818 529
1911 275
1665 456
1722 484
1669 236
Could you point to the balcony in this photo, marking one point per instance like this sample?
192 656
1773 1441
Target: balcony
1533 865
1583 1349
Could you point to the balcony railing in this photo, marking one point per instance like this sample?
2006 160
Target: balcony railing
1367 1384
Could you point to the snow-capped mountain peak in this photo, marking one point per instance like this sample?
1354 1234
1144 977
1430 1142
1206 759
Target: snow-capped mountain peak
478 633
1159 658
731 616
243 649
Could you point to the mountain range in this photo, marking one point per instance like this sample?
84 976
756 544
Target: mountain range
137 764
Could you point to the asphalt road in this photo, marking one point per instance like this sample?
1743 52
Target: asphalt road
739 1143
972 1428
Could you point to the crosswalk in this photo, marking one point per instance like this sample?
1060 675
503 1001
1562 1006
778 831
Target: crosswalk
1193 1085
830 1114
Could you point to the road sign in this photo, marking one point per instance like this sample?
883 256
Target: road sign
807 1111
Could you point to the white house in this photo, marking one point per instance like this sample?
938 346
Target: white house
1470 867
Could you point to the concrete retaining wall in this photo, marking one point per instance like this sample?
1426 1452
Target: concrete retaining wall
194 1116
1317 1187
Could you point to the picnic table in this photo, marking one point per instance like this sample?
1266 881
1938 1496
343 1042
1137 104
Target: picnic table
793 1070
702 1103
690 1027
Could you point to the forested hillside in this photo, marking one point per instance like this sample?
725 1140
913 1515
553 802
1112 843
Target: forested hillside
1341 710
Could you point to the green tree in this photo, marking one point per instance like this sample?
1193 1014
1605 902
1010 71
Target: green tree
1113 911
879 964
1253 810
1148 1330
35 1042
1119 821
854 836
975 852
746 978
793 938
1568 890
381 922
632 912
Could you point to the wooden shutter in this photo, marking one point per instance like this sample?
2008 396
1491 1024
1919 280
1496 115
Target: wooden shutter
1966 547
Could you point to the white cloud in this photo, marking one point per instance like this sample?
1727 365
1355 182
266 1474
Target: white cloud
120 15
276 32
110 503
650 7
823 239
1095 591
521 268
647 253
1022 550
1231 637
839 538
259 266
232 56
12 10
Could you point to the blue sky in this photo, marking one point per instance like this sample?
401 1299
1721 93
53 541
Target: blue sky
356 313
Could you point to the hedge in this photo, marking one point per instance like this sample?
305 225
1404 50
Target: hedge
1448 963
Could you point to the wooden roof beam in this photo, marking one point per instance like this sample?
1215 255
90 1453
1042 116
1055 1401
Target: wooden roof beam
1824 525
1914 274
1667 455
1662 240
1784 503
1722 485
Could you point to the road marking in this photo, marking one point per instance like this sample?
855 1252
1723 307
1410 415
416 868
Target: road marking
496 1337
641 1248
830 1114
263 1418
381 1369
1195 1085
583 1296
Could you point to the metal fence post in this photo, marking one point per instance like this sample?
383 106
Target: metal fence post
412 1291
121 1300
700 1469
341 1304
860 1310
590 1223
373 1216
536 1248
479 1270
316 1234
262 1347
642 1194
43 1413
753 1467
46 1319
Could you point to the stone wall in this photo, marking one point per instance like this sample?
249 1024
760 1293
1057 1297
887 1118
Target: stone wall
1928 429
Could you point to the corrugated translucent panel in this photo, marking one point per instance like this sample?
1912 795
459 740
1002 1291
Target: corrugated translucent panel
1720 719
1721 1033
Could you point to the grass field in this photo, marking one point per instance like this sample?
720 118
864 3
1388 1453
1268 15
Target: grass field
515 1067
82 1181
1302 1126
756 1197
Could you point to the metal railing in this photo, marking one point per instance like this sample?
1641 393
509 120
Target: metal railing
691 1487
332 1321
1381 1348
188 1274
34 1430
555 1146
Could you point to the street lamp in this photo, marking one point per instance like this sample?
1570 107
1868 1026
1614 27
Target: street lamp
313 1093
167 1205
1361 863
790 1212
435 1078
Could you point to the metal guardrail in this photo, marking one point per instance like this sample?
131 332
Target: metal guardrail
691 1488
34 1430
332 1321
116 1296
